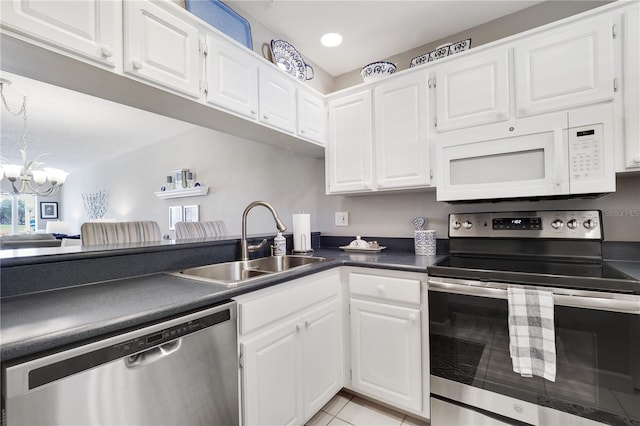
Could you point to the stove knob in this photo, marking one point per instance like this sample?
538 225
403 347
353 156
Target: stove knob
467 225
590 223
557 224
572 224
456 224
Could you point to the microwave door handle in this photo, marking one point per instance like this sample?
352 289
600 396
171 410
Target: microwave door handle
562 158
630 305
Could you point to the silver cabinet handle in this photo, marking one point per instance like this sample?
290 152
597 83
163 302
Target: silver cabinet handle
613 302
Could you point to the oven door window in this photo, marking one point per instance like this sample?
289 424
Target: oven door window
598 356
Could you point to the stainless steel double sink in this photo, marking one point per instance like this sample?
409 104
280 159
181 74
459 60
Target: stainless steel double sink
238 272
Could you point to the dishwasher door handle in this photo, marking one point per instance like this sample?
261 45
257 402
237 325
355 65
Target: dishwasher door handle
154 354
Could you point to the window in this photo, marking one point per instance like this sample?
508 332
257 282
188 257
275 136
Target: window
18 214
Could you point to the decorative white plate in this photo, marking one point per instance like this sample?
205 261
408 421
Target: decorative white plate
363 250
287 58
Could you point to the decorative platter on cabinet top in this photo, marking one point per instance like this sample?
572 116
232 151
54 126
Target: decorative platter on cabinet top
287 58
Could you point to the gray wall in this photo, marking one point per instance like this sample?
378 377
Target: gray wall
239 171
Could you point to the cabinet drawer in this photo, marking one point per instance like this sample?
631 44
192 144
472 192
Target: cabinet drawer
388 288
265 308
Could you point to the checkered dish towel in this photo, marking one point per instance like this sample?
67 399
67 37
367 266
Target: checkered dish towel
532 340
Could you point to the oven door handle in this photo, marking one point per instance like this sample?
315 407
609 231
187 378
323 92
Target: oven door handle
613 302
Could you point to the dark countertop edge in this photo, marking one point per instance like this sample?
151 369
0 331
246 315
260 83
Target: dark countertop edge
86 333
23 257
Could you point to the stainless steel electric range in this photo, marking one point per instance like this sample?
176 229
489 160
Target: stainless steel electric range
596 321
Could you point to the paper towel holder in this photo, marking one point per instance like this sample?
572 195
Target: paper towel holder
303 243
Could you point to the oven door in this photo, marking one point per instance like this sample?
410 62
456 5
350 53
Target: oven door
597 350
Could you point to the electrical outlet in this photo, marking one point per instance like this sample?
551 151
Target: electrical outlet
342 218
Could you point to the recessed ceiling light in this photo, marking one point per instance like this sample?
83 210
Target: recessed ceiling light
331 39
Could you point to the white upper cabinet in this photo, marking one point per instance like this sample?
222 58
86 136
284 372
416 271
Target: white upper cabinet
311 116
161 47
91 29
350 144
473 90
401 136
631 87
564 68
277 99
232 77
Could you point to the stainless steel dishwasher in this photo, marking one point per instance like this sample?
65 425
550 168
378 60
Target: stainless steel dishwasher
182 371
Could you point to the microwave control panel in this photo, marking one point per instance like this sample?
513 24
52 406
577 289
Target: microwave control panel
585 153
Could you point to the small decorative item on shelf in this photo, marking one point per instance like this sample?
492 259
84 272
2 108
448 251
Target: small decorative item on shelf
181 183
180 178
169 186
377 70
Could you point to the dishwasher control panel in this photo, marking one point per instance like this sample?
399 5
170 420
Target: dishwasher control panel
154 339
57 370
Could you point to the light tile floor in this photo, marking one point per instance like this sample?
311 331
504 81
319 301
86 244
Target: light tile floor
346 409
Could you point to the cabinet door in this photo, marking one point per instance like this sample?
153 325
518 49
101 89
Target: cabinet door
277 99
160 47
322 356
402 133
473 90
386 353
311 116
631 87
270 372
350 144
564 68
232 78
90 28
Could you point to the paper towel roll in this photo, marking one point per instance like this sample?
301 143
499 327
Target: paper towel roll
302 232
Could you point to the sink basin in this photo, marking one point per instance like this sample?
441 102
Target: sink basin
239 272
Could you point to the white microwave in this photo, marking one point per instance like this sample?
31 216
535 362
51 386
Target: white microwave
548 156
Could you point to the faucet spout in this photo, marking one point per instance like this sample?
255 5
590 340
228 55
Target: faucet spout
244 247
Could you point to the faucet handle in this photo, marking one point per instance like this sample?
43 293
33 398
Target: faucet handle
253 248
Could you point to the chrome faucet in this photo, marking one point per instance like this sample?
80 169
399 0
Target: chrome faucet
244 247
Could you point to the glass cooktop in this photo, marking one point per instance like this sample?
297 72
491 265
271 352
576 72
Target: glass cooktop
584 275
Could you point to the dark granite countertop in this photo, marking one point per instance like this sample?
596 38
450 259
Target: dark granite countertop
47 320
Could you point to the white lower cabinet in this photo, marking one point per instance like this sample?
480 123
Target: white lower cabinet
389 357
291 349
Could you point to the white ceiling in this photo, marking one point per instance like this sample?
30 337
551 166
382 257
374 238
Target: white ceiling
77 130
371 30
80 130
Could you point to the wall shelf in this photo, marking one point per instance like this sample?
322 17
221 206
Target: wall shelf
183 192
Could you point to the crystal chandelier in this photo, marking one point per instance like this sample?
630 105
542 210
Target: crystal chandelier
30 177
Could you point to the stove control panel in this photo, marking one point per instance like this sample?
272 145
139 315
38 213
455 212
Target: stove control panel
562 224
